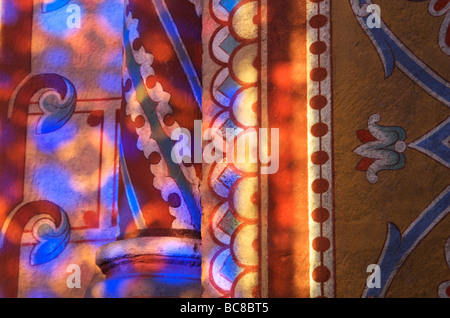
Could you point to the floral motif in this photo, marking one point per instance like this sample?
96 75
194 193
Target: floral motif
382 149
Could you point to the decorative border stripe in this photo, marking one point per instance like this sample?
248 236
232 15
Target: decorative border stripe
320 154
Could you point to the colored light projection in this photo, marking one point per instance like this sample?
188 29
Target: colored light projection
61 66
162 92
158 252
254 230
93 205
78 124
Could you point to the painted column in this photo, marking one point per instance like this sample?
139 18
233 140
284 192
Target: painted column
255 213
158 251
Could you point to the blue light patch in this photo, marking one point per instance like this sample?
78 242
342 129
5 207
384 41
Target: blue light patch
55 22
52 182
110 82
49 143
113 12
10 13
56 57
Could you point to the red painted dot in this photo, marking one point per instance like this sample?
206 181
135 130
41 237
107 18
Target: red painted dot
447 291
255 198
320 158
255 107
169 120
257 63
255 245
257 19
320 215
151 82
320 186
318 102
139 121
318 47
319 130
321 274
318 74
154 158
137 43
174 200
321 244
95 118
318 21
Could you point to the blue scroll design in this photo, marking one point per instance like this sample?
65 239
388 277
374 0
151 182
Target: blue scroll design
394 53
399 246
57 111
52 241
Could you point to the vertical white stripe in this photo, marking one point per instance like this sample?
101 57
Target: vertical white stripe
264 178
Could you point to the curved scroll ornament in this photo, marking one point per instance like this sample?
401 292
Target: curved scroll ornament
57 101
57 110
398 246
52 230
394 53
52 239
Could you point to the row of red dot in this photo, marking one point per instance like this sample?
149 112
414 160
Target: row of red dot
154 158
321 244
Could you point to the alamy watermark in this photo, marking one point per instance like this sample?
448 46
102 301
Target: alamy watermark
374 279
374 18
74 19
74 279
249 146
